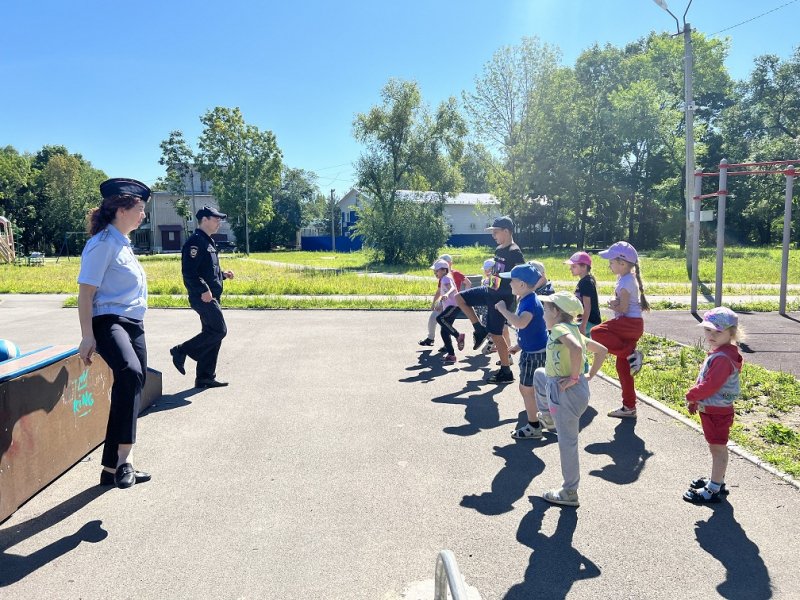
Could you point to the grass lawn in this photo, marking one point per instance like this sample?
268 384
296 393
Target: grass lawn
767 415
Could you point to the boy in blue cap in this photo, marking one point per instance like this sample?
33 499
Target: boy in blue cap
532 340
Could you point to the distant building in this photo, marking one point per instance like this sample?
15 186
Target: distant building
467 215
164 231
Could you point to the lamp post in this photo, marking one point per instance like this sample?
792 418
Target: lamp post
692 229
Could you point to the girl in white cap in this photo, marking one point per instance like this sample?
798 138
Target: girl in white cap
621 333
448 311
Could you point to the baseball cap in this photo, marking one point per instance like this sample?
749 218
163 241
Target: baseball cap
447 258
440 264
579 258
538 266
719 319
208 211
621 250
526 273
502 223
488 264
566 301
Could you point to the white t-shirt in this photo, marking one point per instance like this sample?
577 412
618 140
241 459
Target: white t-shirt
628 282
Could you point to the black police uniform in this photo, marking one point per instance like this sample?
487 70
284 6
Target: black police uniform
202 273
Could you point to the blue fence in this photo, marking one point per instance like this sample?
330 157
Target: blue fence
345 244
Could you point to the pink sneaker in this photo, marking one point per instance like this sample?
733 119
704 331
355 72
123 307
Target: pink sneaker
461 338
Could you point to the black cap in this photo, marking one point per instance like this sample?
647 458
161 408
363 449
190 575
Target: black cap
119 185
502 223
208 211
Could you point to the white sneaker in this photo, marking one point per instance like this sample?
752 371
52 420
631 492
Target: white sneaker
489 348
562 496
635 360
546 419
623 413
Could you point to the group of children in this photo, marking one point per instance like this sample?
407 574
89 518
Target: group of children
555 333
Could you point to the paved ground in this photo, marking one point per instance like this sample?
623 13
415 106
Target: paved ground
342 459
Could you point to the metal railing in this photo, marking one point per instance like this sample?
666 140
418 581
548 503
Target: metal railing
448 577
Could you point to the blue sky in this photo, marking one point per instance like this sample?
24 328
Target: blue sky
110 80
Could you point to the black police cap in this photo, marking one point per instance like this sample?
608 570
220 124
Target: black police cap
119 185
208 211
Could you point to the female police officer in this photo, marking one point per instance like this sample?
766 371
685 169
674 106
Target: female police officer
112 300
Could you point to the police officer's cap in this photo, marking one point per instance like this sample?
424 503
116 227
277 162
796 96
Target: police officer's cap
119 185
208 211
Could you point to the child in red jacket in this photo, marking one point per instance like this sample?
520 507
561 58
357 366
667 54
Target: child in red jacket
713 394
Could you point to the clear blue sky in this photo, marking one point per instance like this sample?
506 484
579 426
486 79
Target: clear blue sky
111 79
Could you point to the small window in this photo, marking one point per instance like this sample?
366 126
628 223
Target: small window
171 236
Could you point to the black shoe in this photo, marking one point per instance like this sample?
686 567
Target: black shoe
107 478
697 496
178 359
478 336
443 350
426 342
209 383
125 476
701 482
501 377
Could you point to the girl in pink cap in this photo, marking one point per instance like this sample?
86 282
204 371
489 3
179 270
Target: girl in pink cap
580 265
621 333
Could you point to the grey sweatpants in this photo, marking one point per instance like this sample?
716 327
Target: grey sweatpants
432 324
566 408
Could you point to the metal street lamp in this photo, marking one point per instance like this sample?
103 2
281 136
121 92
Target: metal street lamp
692 229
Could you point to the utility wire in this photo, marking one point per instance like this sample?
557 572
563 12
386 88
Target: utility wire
754 18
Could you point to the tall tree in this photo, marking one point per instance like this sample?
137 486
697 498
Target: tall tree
407 147
179 160
243 164
298 189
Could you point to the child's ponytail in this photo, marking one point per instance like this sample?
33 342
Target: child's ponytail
642 300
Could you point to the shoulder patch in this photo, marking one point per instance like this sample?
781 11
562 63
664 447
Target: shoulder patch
193 251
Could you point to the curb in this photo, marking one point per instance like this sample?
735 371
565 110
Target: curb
732 446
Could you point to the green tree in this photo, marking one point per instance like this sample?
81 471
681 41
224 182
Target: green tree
243 164
297 190
179 160
407 147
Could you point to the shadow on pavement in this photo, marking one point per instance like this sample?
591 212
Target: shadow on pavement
627 451
747 577
554 565
170 401
512 481
14 567
480 409
429 364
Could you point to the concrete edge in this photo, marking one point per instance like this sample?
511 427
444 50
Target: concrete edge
732 446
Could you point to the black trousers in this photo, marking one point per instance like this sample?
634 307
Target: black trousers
120 342
448 331
204 347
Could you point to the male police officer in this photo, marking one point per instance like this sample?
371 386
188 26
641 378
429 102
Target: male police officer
203 278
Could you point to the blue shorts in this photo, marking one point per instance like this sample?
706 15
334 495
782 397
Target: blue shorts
528 363
482 296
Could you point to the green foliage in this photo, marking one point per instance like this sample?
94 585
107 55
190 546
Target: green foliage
406 147
244 165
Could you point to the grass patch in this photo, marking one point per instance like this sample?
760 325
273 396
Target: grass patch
767 414
286 303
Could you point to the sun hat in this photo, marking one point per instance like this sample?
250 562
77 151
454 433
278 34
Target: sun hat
440 264
621 250
719 319
566 301
526 273
579 258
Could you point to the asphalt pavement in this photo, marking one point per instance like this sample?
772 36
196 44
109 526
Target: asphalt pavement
343 457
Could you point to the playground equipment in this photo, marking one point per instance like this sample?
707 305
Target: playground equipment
7 253
448 577
53 412
721 196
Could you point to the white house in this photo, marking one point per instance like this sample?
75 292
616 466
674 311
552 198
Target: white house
468 215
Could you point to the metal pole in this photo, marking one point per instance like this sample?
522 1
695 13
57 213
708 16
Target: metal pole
698 188
787 227
689 109
721 203
246 204
447 576
333 224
